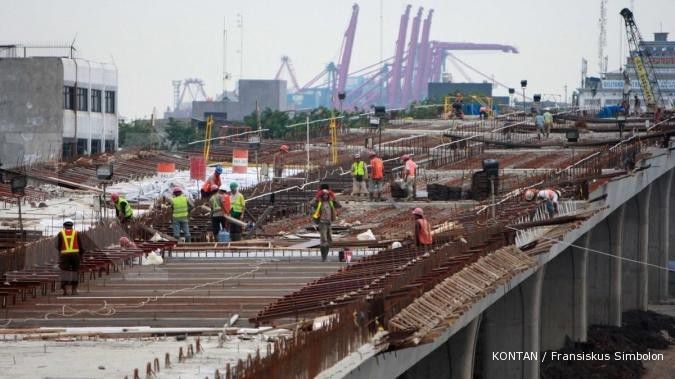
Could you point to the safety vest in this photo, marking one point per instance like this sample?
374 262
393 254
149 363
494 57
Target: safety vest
215 203
69 238
212 180
424 235
317 212
377 167
180 207
358 168
239 203
411 167
128 212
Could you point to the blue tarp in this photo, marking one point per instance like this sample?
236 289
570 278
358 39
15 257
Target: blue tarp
609 111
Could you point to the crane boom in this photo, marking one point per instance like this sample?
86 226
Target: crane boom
644 68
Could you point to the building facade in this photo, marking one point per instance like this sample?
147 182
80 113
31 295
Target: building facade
55 107
263 93
608 90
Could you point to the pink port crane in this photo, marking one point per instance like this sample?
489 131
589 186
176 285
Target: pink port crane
394 86
345 57
406 92
286 62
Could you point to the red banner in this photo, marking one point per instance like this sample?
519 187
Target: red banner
239 161
197 168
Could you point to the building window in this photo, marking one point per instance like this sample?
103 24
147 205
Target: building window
95 146
82 99
96 100
68 97
110 101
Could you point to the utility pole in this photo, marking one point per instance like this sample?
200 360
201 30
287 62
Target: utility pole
240 25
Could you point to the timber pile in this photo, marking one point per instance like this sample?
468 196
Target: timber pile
436 310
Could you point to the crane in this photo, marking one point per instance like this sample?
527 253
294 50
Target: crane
286 62
643 66
345 56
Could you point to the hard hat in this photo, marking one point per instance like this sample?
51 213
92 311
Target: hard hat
223 188
529 195
177 190
219 169
357 155
214 187
558 193
325 191
124 242
405 157
114 196
68 222
234 186
418 211
284 148
372 153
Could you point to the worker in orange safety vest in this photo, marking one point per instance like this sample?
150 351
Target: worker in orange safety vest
376 176
422 229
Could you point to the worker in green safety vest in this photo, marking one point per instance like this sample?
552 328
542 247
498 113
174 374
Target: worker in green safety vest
359 176
123 210
237 211
180 208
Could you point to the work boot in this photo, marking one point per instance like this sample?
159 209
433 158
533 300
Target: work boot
324 253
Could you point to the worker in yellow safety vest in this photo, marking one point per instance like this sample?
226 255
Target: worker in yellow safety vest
180 214
237 211
70 248
359 176
123 210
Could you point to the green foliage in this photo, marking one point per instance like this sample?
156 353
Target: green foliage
136 133
180 132
275 121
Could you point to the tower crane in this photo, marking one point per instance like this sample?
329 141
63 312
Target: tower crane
643 66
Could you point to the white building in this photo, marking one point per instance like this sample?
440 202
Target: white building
54 107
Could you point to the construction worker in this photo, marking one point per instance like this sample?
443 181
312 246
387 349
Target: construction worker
457 106
548 123
422 229
123 210
323 214
220 206
181 207
126 243
237 211
636 106
548 195
279 161
71 251
324 186
408 176
539 124
376 175
359 176
212 182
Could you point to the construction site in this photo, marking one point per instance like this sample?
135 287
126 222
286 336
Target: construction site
455 245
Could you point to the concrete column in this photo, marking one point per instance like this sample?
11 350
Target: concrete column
643 253
664 211
532 320
580 258
512 324
616 231
462 350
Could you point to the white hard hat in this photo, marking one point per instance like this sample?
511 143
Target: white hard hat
68 221
224 188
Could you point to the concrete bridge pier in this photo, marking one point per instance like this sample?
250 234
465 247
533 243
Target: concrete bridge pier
512 324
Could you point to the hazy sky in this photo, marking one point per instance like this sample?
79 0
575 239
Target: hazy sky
154 42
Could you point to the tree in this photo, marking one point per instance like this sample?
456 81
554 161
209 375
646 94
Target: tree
179 132
136 133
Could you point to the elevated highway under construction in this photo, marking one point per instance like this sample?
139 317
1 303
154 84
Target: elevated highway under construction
502 274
